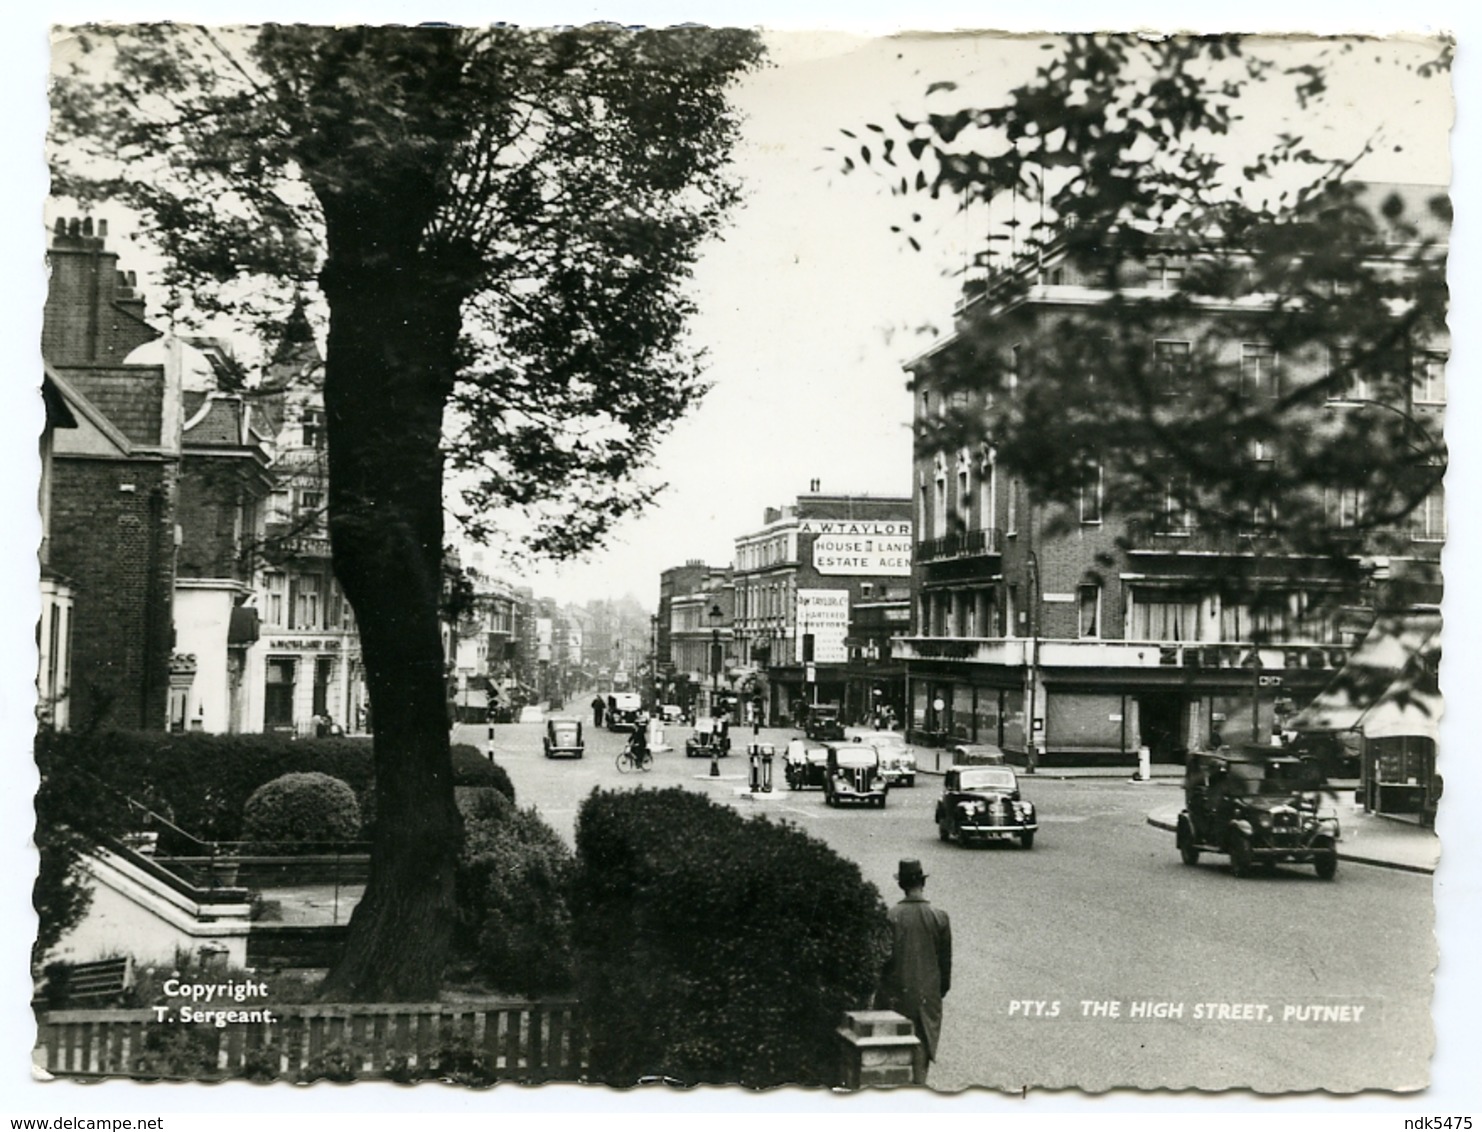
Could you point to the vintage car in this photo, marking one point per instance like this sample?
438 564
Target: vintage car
563 739
711 737
852 774
804 764
982 803
822 723
670 713
623 710
1260 805
976 754
897 757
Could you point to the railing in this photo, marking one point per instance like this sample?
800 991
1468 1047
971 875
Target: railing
961 544
515 1039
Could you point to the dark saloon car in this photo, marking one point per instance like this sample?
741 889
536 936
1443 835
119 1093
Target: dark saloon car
1259 805
853 773
563 739
823 723
982 803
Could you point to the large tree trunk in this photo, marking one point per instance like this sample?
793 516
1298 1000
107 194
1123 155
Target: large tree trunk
389 365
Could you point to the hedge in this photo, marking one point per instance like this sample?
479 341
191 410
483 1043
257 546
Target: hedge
715 948
202 782
513 931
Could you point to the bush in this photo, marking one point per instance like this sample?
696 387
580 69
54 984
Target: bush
514 922
471 768
714 948
297 811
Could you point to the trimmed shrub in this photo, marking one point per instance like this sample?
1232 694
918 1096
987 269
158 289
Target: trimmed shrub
514 924
715 948
471 768
297 811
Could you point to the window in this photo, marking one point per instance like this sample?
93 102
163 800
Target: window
311 509
313 428
939 507
1258 379
1091 492
1158 616
1015 615
1012 523
988 495
1238 622
1346 384
1430 379
866 589
273 586
1171 276
964 496
1089 597
1428 521
306 602
1172 362
1178 518
1347 507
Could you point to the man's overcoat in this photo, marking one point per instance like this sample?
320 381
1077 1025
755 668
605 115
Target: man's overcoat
919 971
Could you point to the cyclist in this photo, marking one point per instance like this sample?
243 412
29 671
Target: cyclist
638 742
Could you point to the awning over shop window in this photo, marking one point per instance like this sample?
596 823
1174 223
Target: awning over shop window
1388 686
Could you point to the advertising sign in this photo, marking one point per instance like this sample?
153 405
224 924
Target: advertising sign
860 546
825 614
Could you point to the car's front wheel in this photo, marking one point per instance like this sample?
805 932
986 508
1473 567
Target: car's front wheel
943 833
1026 839
909 780
1327 865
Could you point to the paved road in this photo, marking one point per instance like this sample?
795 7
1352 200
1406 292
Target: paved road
1101 911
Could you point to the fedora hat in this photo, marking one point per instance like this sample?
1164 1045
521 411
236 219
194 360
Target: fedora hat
910 873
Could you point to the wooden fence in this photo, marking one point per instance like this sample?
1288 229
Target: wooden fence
509 1040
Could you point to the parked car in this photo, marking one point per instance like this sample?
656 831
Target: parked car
671 713
976 754
983 803
563 739
897 757
1259 805
852 774
711 737
804 764
822 723
623 710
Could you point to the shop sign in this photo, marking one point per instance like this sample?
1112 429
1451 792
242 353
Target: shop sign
305 644
824 614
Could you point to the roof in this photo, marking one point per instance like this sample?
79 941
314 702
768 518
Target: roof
1388 687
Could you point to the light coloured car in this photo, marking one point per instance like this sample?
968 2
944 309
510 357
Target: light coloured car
897 757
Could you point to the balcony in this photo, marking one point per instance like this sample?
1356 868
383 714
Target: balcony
1013 652
961 544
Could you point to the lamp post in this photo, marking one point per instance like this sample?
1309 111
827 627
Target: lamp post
715 616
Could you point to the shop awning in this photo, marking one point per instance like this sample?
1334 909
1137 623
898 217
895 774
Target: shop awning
1388 686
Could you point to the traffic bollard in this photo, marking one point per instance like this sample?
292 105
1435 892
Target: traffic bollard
754 752
714 765
768 752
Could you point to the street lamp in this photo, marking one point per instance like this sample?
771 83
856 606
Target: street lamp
715 618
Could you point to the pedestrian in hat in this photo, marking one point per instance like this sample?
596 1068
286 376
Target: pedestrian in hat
918 973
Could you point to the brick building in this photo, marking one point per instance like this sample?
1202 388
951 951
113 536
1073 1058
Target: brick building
1083 637
820 576
111 464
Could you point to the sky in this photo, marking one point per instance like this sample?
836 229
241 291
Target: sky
810 298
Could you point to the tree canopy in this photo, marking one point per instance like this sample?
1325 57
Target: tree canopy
1307 414
563 182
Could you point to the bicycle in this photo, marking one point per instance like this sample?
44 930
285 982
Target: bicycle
631 758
